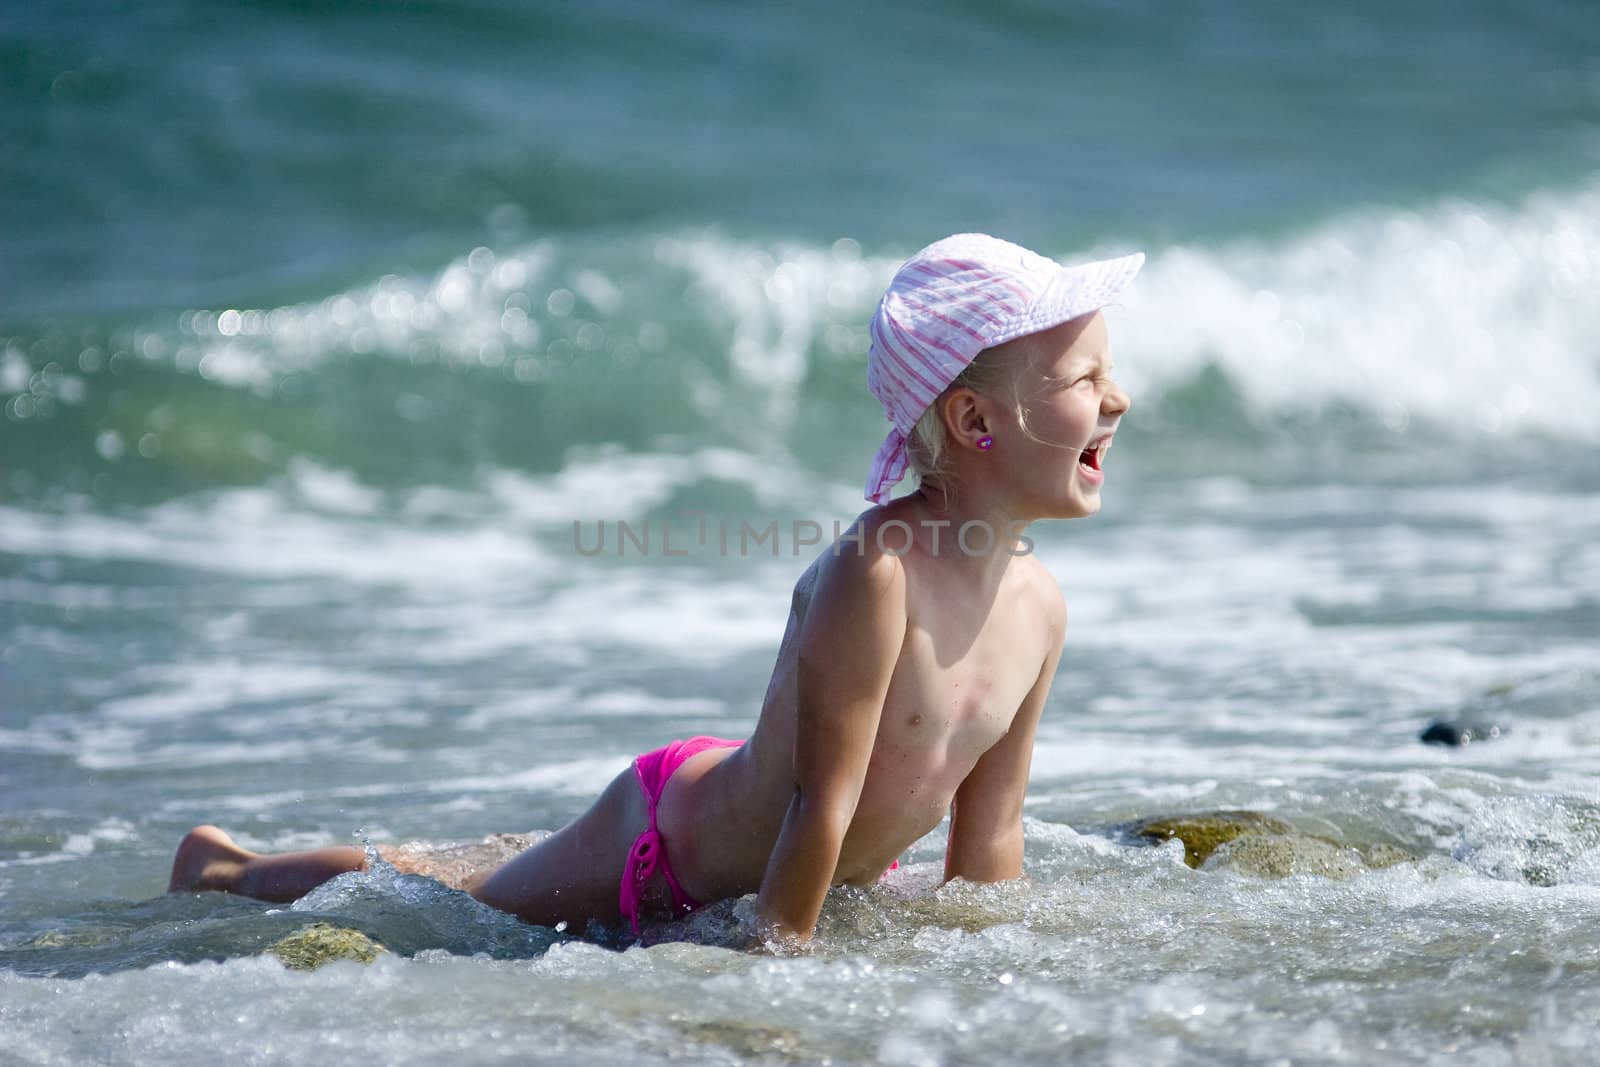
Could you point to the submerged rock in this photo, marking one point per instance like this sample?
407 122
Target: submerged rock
1260 845
1542 840
1201 834
750 1040
1279 856
1459 732
312 946
84 937
1382 855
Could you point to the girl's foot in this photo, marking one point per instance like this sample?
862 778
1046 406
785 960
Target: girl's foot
207 858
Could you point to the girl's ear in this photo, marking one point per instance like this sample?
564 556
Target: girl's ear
964 417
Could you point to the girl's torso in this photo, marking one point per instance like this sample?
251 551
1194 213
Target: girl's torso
968 660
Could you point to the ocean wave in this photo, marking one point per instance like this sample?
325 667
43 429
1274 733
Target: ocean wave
1472 316
1470 319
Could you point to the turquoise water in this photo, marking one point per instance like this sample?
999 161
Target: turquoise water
320 327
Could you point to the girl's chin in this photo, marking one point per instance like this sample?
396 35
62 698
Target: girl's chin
1081 506
1087 495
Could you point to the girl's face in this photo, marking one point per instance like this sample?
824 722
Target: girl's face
1055 454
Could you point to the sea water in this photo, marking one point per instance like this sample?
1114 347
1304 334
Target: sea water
320 329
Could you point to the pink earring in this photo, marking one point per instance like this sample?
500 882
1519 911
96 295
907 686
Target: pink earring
985 443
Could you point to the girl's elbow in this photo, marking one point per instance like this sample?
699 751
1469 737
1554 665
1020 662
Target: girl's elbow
825 810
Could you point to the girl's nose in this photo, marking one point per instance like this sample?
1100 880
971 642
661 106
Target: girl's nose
1116 401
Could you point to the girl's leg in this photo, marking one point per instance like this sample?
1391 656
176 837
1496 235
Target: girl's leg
208 858
574 875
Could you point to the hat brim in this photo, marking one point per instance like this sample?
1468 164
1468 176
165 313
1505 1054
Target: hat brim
1073 292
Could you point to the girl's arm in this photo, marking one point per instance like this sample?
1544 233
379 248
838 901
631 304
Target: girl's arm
849 645
986 816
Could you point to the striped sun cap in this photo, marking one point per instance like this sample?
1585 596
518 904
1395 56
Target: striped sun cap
951 301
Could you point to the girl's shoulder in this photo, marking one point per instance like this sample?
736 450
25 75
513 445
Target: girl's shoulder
1045 592
858 560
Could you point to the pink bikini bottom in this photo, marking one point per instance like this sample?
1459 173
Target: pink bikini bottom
648 855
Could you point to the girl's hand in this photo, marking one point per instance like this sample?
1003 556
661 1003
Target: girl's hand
781 947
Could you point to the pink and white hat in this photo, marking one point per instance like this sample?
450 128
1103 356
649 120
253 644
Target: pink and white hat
951 301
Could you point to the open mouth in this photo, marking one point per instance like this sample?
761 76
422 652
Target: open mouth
1094 456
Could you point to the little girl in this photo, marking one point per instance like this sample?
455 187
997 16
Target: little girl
919 651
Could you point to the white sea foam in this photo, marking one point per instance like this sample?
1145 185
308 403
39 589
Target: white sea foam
267 533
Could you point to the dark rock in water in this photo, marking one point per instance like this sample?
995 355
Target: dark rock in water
1460 731
1202 833
1540 875
312 946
